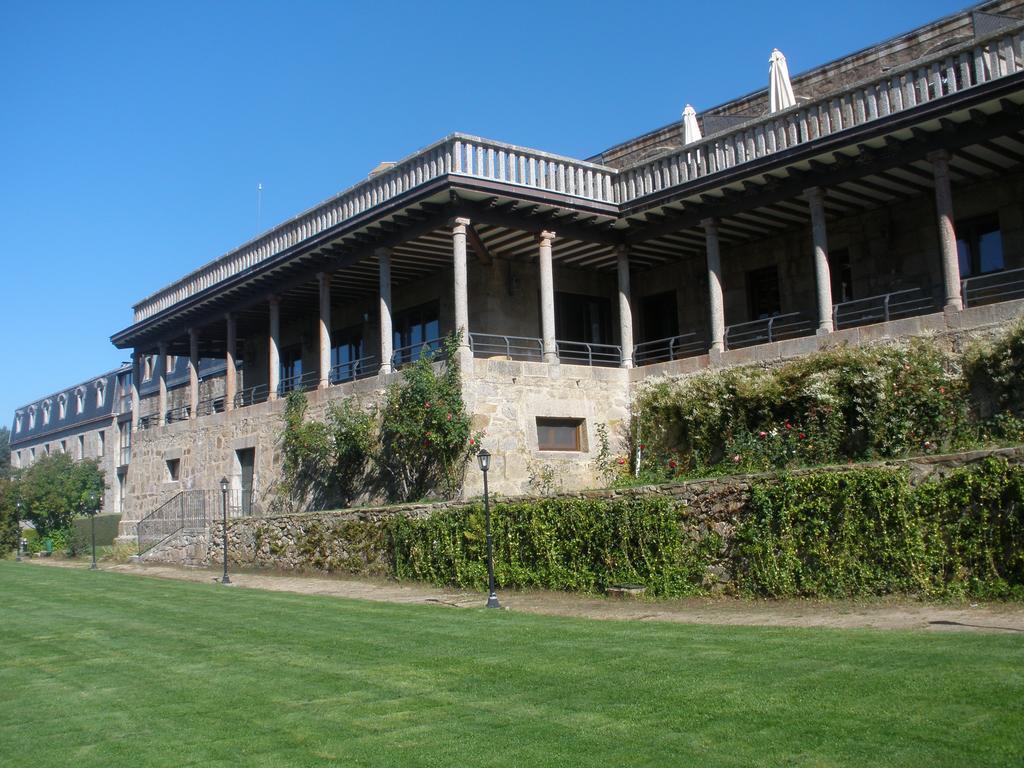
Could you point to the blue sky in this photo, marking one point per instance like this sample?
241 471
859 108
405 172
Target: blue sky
134 134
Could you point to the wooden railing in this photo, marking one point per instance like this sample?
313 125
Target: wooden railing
919 83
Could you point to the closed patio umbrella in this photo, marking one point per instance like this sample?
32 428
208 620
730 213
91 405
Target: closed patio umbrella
780 90
691 131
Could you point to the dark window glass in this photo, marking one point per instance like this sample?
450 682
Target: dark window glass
979 245
173 469
347 354
841 274
417 331
558 434
583 318
660 316
763 292
291 368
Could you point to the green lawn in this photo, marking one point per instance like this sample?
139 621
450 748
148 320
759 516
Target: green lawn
99 669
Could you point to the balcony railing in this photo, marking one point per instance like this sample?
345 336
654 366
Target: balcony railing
671 348
588 353
252 395
767 330
506 347
351 370
300 382
1005 285
900 89
881 308
410 353
921 82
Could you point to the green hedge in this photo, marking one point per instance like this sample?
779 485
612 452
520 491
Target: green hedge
578 545
833 534
106 532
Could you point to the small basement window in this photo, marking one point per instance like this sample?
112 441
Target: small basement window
173 470
555 434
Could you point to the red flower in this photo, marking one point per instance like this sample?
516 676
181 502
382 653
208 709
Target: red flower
472 441
622 461
672 463
942 390
762 434
788 425
426 404
642 446
803 436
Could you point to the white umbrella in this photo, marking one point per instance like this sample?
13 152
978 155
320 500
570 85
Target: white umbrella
691 131
780 91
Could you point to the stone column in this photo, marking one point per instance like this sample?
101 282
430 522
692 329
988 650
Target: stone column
274 349
161 372
625 307
715 303
461 287
193 373
947 234
547 298
815 197
230 376
136 377
386 341
324 279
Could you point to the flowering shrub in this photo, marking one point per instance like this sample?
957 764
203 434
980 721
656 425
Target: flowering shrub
839 405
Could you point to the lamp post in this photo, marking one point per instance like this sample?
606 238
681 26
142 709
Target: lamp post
17 552
93 509
224 513
484 459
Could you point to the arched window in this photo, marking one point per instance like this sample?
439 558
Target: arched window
31 417
79 399
18 416
101 392
62 406
47 407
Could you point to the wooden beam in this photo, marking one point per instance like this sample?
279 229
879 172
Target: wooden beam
483 255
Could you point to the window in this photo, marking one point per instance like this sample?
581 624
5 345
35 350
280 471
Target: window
17 422
32 453
101 393
101 442
125 387
555 434
32 417
841 275
81 446
583 318
660 316
125 436
62 406
63 446
763 292
147 368
979 244
291 368
416 332
46 412
173 469
79 400
347 354
47 448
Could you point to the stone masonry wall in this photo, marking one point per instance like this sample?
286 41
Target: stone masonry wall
353 541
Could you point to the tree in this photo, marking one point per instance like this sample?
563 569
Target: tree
9 531
55 489
5 452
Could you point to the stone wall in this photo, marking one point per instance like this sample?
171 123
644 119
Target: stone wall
353 541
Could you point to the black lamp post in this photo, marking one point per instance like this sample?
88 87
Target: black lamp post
17 551
484 458
224 512
93 509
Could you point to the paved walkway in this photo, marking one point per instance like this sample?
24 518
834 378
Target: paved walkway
875 614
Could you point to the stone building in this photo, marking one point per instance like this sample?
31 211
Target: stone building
887 201
91 420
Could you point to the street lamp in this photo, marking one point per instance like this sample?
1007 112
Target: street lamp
484 459
93 509
224 512
17 552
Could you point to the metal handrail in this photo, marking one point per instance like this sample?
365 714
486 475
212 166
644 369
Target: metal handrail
510 347
881 308
181 413
353 369
991 287
410 353
185 509
588 352
252 395
301 382
210 405
669 348
766 330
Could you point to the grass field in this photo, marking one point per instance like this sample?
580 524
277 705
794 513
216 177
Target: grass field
100 669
